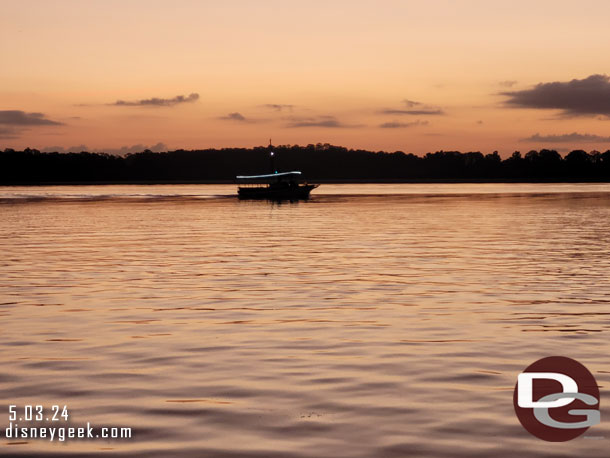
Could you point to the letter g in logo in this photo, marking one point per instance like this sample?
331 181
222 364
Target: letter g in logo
553 399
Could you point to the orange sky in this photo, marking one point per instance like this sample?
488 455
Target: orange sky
383 75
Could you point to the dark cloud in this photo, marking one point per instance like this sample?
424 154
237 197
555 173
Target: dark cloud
157 148
14 122
240 118
21 118
61 149
278 106
574 137
158 102
123 150
507 83
319 121
422 112
589 96
399 125
411 103
413 108
234 117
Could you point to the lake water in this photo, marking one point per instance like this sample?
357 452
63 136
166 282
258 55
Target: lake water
371 321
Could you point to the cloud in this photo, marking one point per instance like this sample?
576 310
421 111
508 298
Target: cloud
278 106
8 132
123 150
21 118
411 103
157 148
319 121
14 122
399 125
589 96
413 108
61 149
237 117
234 117
507 83
574 137
422 112
158 102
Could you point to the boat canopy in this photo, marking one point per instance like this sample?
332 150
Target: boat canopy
294 173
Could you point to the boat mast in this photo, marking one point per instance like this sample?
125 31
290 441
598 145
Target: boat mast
272 157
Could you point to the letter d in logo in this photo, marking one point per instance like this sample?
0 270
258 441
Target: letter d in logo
526 389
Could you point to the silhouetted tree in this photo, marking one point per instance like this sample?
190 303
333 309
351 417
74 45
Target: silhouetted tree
321 161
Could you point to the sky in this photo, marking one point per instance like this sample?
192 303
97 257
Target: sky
414 76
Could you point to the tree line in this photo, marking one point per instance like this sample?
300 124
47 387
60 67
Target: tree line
323 162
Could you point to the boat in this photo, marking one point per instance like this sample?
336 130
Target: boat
275 185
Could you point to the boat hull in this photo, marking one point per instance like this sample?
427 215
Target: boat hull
300 192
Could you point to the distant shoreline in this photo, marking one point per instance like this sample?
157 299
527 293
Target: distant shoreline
320 163
325 181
